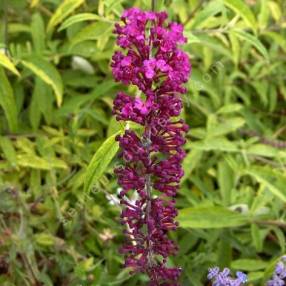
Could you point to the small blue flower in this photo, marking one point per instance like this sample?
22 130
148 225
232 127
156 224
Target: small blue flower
276 281
242 277
213 272
279 268
223 278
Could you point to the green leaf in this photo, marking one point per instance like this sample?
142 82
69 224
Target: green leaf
226 180
256 238
211 217
224 252
44 239
7 63
191 37
48 73
41 103
45 101
34 110
255 276
100 161
212 43
65 8
275 10
270 178
8 150
91 32
279 39
263 17
81 17
215 144
235 47
225 127
210 10
243 10
38 32
262 150
190 162
7 101
262 91
253 41
249 264
281 238
230 108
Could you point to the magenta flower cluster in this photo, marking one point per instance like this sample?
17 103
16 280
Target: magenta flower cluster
152 156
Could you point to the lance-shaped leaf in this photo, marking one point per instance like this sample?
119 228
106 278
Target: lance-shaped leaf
91 32
8 150
253 41
65 9
211 217
249 264
36 162
48 73
7 63
273 180
7 101
243 10
81 18
100 161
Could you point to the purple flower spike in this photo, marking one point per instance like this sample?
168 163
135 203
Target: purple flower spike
152 61
223 278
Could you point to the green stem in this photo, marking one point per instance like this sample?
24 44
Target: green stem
277 223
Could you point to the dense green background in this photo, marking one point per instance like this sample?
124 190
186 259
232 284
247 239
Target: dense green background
59 218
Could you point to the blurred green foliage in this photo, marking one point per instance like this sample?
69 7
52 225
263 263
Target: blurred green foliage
56 92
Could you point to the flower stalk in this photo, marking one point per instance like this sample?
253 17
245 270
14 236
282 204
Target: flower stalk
151 158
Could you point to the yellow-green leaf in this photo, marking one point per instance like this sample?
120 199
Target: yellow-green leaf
65 9
48 73
211 217
249 264
243 10
34 3
190 162
79 18
230 108
253 41
275 10
36 162
91 32
215 144
262 150
278 38
100 161
226 126
44 239
7 101
273 180
205 14
8 150
7 63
